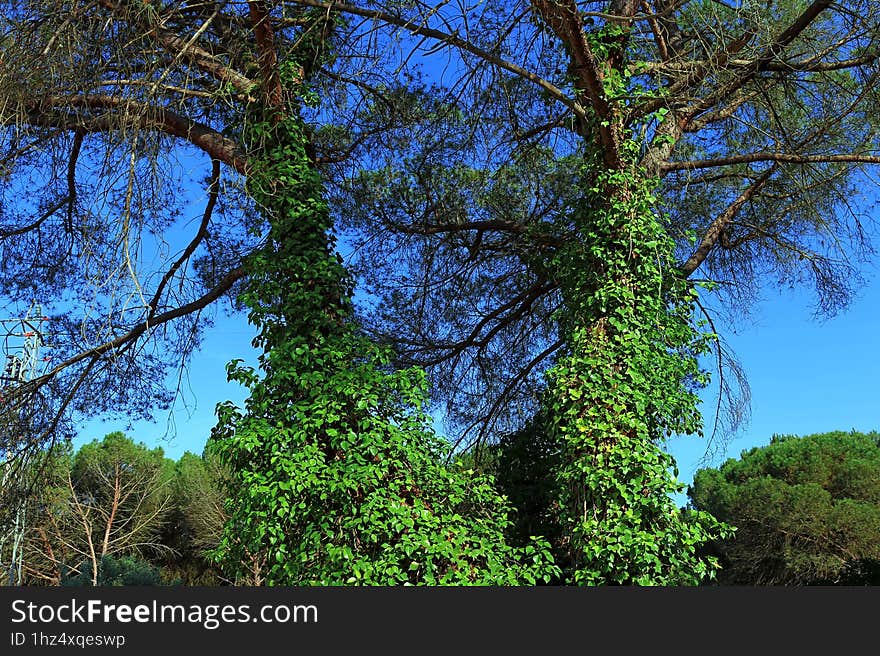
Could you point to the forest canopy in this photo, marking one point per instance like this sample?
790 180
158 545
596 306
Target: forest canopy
548 206
807 510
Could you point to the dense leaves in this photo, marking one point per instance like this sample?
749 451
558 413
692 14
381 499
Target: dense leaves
626 381
807 510
338 475
194 521
127 570
524 465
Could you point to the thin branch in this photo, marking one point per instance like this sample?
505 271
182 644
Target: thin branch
57 205
717 226
453 40
200 303
201 233
78 137
520 304
520 376
785 158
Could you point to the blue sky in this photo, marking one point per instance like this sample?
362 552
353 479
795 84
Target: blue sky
806 375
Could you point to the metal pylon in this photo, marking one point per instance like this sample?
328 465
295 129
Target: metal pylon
23 339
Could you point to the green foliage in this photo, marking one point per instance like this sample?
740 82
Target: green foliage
153 519
524 465
111 498
98 462
807 510
193 525
626 382
112 571
338 476
122 490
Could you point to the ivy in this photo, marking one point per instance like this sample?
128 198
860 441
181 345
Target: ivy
628 378
627 381
339 478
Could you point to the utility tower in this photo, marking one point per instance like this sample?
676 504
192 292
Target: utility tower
22 341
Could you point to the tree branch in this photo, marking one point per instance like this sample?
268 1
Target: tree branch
267 53
200 303
198 57
4 232
566 22
710 238
78 137
520 376
49 112
452 40
784 158
760 64
201 233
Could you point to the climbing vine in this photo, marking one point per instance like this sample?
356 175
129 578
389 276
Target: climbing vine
627 381
339 478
